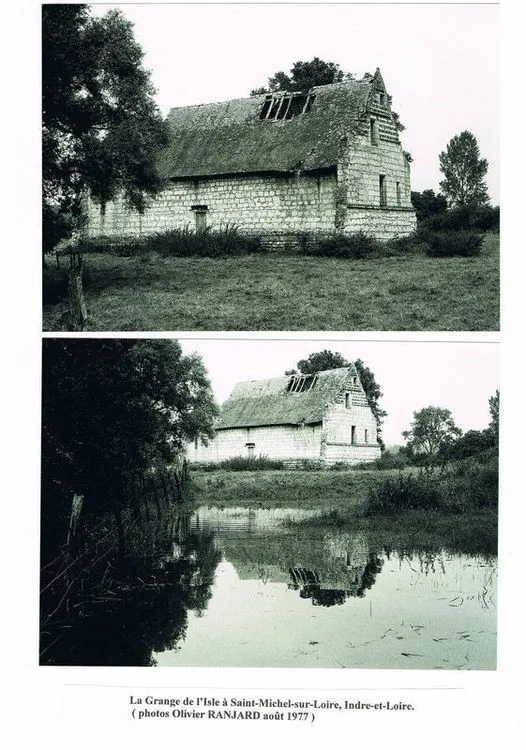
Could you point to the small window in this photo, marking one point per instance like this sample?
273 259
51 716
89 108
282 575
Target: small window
398 195
200 221
355 380
250 449
382 100
374 131
353 434
200 213
366 436
348 401
383 190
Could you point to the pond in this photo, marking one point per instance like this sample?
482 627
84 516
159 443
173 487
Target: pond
274 588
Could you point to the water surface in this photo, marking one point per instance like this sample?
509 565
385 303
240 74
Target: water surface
284 596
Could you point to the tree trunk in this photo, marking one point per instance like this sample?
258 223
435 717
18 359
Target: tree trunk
79 313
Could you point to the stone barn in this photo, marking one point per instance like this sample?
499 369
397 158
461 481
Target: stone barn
323 417
329 160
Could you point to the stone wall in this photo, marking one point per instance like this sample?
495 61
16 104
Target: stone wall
255 204
338 433
360 173
278 207
278 442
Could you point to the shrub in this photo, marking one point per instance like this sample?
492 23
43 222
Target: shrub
447 244
479 218
387 460
181 243
469 485
358 245
412 244
243 463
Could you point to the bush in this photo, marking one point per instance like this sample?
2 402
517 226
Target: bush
356 246
243 463
411 244
181 243
470 485
387 460
475 218
463 243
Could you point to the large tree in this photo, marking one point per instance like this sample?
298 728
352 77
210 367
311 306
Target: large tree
112 409
303 76
327 360
432 433
101 128
494 410
464 172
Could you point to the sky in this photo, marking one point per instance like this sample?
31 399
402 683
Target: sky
440 63
458 376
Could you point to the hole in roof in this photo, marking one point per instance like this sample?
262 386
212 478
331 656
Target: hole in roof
301 383
286 106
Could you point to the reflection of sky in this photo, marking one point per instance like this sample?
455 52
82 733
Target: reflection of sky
422 612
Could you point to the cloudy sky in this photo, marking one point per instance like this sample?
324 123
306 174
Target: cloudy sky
458 376
439 62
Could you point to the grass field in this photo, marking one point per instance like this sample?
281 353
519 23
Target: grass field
340 491
279 292
339 497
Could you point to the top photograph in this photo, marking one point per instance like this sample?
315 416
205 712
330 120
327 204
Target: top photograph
270 167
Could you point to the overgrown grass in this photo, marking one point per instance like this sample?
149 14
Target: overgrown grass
316 489
465 487
277 292
226 241
242 463
388 460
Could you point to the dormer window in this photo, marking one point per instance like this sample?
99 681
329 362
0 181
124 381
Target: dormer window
286 106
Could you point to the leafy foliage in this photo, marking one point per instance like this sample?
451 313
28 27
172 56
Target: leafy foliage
464 172
428 204
181 243
101 129
475 218
494 410
432 434
113 409
469 486
357 245
303 76
447 244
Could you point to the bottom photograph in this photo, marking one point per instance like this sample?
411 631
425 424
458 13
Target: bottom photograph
269 503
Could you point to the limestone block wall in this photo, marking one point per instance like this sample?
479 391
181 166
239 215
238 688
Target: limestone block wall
254 203
279 442
384 224
360 171
337 434
365 165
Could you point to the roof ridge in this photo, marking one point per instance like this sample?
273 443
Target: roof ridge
282 91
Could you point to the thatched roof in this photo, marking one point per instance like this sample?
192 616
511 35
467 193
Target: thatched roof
256 403
230 138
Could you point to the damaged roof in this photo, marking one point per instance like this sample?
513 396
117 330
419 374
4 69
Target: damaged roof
230 138
257 403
